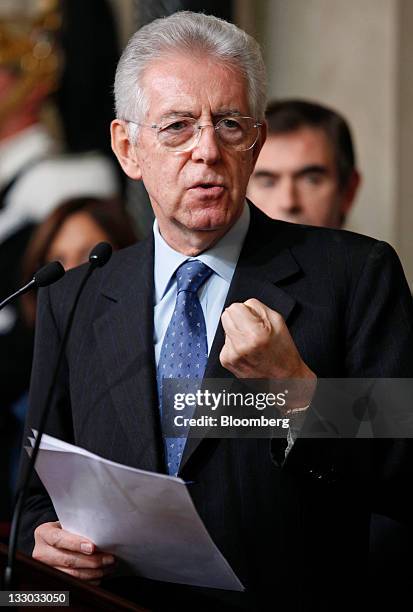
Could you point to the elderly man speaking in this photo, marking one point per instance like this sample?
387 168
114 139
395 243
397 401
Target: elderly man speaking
256 298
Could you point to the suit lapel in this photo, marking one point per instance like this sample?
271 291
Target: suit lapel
124 334
265 259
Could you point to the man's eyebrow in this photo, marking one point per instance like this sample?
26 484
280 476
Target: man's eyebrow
225 112
175 113
264 174
311 169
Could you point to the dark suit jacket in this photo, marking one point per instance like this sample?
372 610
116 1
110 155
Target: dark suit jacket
294 530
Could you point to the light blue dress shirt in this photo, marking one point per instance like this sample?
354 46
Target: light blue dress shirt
221 258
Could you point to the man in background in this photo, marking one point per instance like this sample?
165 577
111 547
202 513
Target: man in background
306 171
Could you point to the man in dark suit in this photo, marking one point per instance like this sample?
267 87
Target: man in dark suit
296 302
307 172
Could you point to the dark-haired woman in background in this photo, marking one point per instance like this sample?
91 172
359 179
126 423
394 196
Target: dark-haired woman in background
68 235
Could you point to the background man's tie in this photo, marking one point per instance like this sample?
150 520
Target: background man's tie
184 350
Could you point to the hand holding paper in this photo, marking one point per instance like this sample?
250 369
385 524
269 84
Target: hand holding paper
145 519
71 553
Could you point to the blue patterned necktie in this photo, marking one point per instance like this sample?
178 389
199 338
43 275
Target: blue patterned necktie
184 350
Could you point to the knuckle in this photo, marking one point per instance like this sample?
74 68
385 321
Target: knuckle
242 349
54 540
233 356
227 359
46 534
261 334
235 363
266 321
223 358
69 561
95 562
253 302
41 531
234 307
55 537
225 362
277 319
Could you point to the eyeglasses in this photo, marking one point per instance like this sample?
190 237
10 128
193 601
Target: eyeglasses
182 135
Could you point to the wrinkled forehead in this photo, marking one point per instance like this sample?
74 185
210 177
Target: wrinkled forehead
194 85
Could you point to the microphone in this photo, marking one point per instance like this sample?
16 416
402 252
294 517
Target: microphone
98 257
49 274
100 254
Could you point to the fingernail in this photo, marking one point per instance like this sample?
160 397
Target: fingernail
108 560
86 547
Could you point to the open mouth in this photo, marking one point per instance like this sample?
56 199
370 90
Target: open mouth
208 191
208 185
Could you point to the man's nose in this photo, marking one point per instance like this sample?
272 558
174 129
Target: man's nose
207 148
287 196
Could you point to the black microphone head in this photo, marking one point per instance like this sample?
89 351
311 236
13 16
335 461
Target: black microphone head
50 273
100 254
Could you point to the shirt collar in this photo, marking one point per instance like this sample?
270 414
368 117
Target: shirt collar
221 258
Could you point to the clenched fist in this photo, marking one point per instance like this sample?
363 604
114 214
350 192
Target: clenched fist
259 345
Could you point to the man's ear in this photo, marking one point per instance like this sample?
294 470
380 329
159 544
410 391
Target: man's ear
260 142
124 149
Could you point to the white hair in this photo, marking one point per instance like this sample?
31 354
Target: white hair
189 33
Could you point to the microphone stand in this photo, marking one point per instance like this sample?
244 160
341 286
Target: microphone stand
47 275
16 294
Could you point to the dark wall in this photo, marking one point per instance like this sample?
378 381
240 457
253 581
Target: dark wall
91 51
148 10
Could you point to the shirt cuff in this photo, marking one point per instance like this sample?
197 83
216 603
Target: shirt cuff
296 416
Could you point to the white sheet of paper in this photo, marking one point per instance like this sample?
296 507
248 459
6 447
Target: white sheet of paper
146 519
